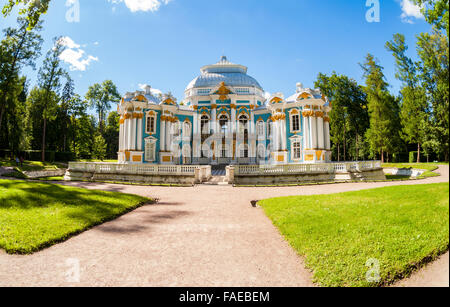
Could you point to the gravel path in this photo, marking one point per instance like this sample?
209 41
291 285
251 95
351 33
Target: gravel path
201 236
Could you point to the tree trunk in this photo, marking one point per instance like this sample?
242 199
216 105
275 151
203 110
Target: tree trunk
418 152
382 156
43 139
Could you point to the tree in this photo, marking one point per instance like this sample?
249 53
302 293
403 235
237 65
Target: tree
435 12
99 147
349 116
50 76
433 50
66 97
414 106
383 110
19 48
32 9
112 134
100 97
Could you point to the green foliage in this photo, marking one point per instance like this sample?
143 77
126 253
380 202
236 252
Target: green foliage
349 116
112 134
402 227
32 9
37 215
383 134
100 97
99 147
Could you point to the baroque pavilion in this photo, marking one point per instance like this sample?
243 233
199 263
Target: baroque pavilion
225 119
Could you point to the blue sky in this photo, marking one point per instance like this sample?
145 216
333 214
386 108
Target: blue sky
164 43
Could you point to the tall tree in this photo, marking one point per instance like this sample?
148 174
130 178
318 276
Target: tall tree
436 13
100 97
382 109
19 48
66 97
433 50
349 116
50 76
414 105
112 134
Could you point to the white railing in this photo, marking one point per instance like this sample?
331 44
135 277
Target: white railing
133 169
345 167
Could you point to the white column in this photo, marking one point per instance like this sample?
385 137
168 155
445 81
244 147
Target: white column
139 134
233 120
133 133
283 135
327 135
214 119
168 136
313 121
320 132
306 133
128 121
162 137
121 137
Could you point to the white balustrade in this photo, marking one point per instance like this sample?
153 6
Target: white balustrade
242 170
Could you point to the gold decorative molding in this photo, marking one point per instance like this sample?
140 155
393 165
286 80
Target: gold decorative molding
326 119
304 96
214 106
276 100
319 114
308 113
233 106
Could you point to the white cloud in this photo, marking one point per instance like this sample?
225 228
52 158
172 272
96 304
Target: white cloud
75 56
410 11
154 91
142 5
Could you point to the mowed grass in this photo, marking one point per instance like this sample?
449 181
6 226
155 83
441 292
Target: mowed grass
36 215
402 227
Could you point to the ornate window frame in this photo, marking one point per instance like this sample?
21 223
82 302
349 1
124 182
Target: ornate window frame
150 152
295 113
148 120
296 140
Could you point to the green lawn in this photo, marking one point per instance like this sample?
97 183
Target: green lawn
33 165
36 215
402 227
429 167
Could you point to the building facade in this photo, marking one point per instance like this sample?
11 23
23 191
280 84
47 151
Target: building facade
225 119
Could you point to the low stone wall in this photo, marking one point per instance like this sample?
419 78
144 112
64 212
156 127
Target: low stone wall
47 173
407 172
146 174
299 174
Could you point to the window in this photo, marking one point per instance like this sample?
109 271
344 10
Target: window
261 151
150 150
269 128
295 123
187 129
244 151
223 122
243 124
150 124
296 150
205 125
260 128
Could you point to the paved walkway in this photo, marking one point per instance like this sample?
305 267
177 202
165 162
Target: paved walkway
201 236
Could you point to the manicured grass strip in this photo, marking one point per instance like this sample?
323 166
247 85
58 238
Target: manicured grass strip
402 227
36 215
32 165
424 166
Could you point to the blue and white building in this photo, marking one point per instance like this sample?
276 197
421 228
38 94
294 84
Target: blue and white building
225 119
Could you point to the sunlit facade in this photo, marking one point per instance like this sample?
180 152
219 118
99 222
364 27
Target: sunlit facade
225 119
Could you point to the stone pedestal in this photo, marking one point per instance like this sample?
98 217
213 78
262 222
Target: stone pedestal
166 158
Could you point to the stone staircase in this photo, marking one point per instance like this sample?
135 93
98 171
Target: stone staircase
218 176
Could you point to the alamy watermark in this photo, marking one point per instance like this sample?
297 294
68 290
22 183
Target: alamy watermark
373 274
373 13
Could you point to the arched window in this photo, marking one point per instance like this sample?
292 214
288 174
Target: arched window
295 121
176 129
187 128
243 124
261 151
269 128
260 129
205 125
150 125
223 122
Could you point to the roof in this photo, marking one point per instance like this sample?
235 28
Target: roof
223 71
